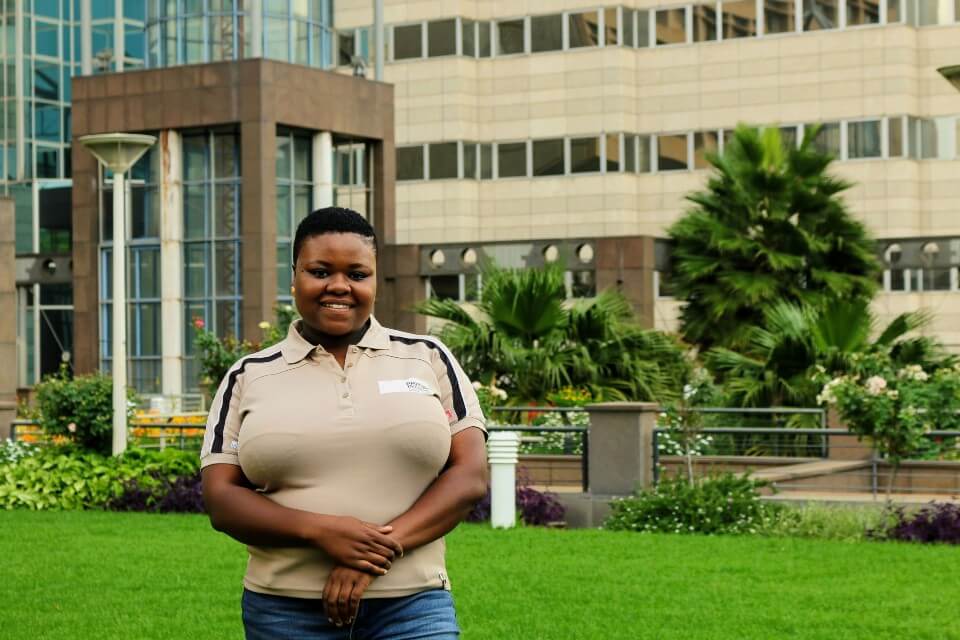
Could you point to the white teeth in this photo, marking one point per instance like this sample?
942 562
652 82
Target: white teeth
329 305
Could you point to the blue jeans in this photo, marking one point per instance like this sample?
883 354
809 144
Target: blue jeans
428 614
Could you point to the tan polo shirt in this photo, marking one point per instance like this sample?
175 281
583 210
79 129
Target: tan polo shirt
365 440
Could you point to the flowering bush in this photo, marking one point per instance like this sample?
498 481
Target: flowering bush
79 409
894 407
536 508
11 451
489 395
216 355
725 503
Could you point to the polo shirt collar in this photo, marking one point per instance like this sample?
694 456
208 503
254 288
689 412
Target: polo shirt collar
295 347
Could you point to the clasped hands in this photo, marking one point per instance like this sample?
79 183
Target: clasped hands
362 551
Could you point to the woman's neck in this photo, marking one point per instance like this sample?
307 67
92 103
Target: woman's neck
332 344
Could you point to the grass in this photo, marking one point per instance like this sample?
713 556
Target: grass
109 575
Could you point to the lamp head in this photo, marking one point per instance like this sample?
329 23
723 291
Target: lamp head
117 151
952 74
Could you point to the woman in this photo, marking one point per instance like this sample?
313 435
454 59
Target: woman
342 455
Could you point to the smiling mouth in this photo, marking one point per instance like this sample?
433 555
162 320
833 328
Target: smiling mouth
336 306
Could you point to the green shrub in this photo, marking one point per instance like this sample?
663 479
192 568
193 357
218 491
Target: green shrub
719 504
826 522
71 478
80 408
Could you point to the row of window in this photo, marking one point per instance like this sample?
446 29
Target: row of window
623 26
884 137
467 287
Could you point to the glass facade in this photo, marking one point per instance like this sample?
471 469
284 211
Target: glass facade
294 199
211 238
143 275
194 31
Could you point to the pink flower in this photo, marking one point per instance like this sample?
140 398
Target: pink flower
198 323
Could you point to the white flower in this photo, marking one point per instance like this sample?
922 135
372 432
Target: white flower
827 395
913 372
893 394
476 385
875 385
72 427
264 324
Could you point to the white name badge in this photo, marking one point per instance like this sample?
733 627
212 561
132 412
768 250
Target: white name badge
410 385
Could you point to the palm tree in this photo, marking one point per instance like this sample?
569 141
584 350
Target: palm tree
777 363
524 336
769 227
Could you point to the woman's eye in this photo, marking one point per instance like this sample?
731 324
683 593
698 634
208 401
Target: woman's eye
357 275
318 273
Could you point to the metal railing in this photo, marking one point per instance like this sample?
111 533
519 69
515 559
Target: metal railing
153 433
538 430
851 466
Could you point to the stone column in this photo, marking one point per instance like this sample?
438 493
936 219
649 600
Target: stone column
8 318
171 261
627 264
621 446
400 287
322 170
258 205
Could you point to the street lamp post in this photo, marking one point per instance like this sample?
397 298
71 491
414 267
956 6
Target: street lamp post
118 152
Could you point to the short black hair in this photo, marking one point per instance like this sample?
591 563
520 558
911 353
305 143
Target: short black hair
332 220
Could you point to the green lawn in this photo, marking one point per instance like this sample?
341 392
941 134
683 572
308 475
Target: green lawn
106 575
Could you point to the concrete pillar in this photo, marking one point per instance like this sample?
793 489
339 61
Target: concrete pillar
255 9
171 261
400 287
258 203
322 170
86 38
621 446
8 318
627 264
502 450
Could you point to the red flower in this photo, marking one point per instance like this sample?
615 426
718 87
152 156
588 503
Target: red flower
198 323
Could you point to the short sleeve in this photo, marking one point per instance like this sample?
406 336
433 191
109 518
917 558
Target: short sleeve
457 395
221 439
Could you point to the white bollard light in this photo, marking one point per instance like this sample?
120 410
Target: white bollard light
502 453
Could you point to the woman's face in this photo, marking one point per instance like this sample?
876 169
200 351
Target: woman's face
335 282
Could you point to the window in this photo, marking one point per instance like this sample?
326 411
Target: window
443 160
442 38
484 30
895 137
896 280
612 153
704 23
407 42
643 28
410 163
486 161
584 155
936 273
779 16
548 157
863 139
671 26
672 152
630 153
644 154
928 12
468 37
510 37
444 287
788 136
863 12
820 14
895 12
704 142
345 44
584 29
629 27
511 159
470 160
739 19
546 33
827 139
610 26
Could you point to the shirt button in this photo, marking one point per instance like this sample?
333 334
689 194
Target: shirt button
349 364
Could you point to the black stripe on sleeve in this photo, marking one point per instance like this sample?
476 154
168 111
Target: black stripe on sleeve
227 395
459 407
